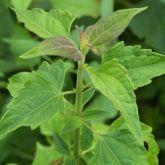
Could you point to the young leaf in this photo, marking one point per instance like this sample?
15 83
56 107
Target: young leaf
78 8
101 35
87 95
60 144
19 4
153 149
72 124
46 24
38 101
142 64
55 46
118 146
45 155
112 81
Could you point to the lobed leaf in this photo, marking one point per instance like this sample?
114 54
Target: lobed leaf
111 80
37 101
118 146
142 64
46 24
55 46
101 35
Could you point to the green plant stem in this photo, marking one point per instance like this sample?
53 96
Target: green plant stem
68 92
78 109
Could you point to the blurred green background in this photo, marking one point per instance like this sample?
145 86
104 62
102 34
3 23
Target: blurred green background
147 29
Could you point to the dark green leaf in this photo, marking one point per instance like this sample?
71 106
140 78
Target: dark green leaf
55 46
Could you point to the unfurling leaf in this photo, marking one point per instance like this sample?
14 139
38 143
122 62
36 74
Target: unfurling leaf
142 64
37 101
46 24
101 35
111 80
55 46
118 147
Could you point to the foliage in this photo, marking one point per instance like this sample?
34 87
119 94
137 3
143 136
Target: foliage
94 118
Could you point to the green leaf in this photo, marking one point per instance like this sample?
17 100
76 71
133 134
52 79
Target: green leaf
153 149
70 161
60 144
153 37
55 46
72 124
112 81
19 4
101 35
38 101
87 95
46 24
142 64
86 137
99 109
45 155
78 8
118 146
17 82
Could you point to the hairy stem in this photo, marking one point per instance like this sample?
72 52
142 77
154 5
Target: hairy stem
78 109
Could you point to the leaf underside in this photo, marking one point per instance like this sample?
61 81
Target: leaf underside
102 35
55 46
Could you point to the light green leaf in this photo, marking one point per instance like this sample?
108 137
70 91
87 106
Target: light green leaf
46 155
17 82
60 144
72 124
99 109
19 4
101 35
142 64
153 149
46 24
118 147
112 81
78 8
38 101
87 95
55 46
